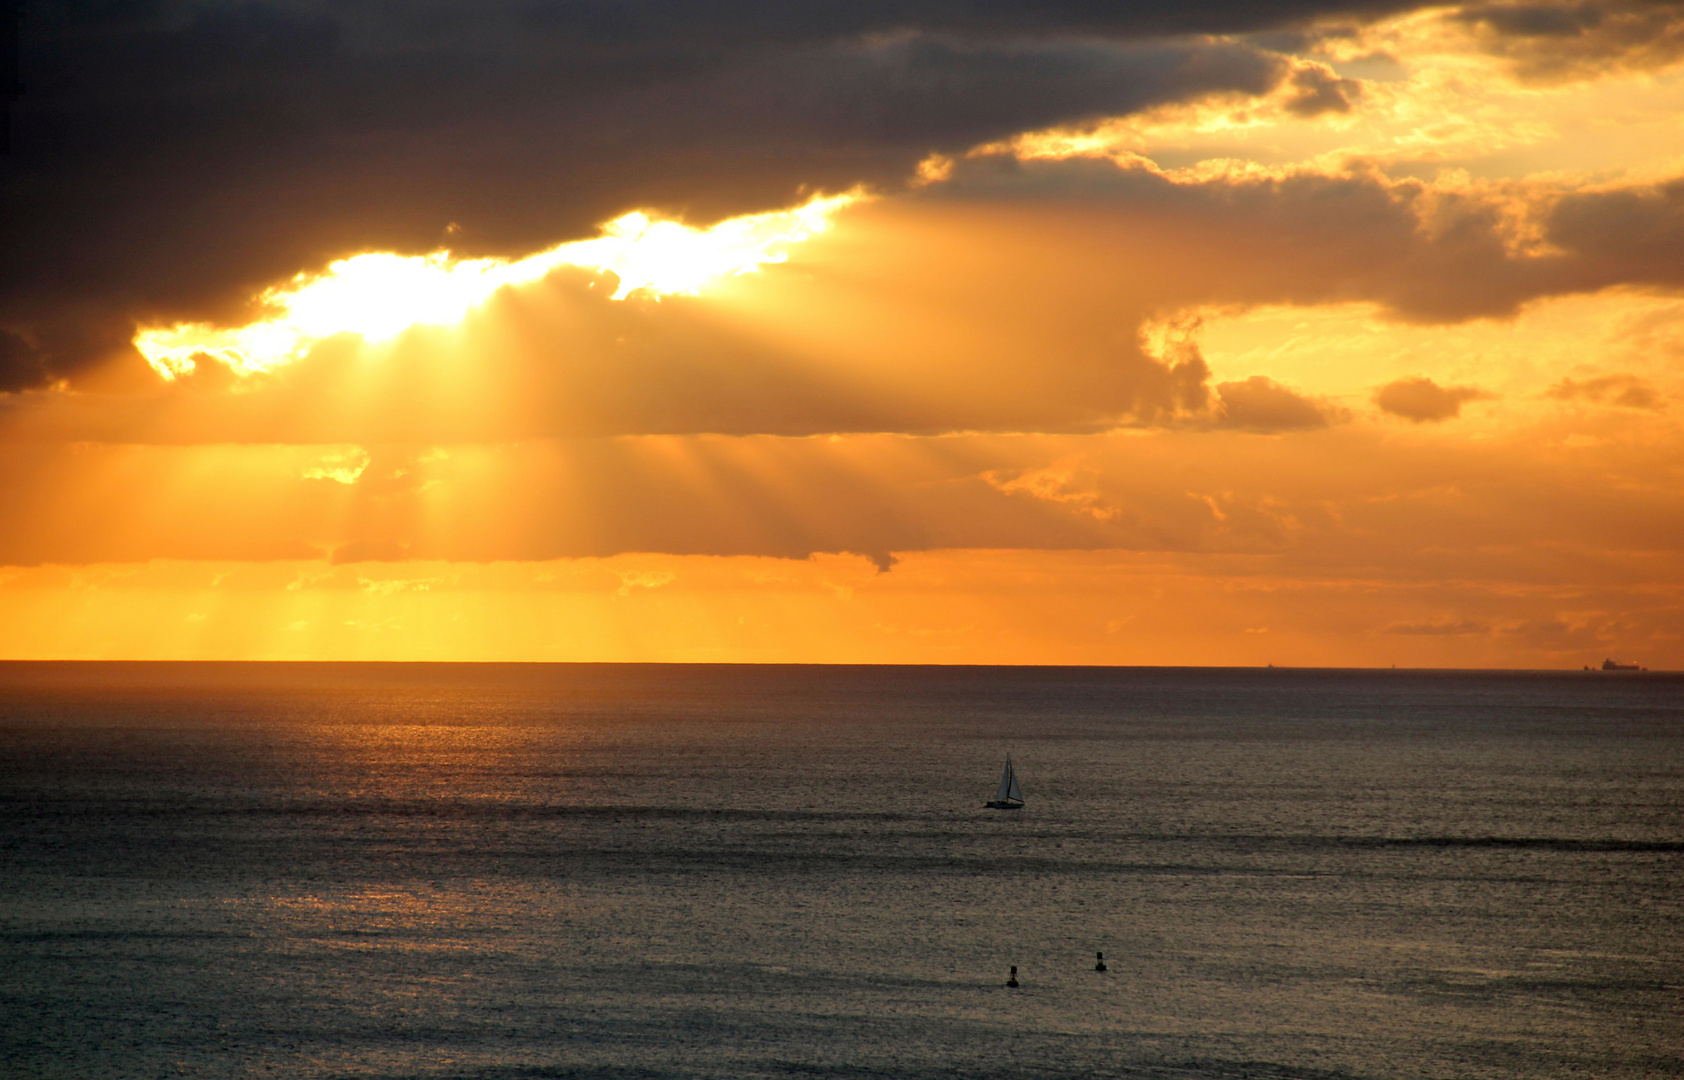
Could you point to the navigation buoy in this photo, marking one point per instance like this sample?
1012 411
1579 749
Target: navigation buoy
1101 965
1012 981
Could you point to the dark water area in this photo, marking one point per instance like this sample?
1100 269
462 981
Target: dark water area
528 871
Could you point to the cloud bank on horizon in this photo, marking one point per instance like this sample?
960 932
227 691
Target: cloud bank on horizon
1369 296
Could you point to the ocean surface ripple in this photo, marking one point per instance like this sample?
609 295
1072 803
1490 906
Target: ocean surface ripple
616 871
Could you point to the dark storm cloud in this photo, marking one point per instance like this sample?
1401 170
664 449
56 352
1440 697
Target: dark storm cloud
20 364
1428 255
170 158
1554 40
1008 299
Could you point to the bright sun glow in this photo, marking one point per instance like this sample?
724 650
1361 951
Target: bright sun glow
379 295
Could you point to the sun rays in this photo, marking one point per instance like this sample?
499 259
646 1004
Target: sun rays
379 295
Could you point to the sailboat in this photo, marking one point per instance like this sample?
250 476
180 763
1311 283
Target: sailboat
1009 796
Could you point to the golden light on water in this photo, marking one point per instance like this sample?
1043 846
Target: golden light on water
379 295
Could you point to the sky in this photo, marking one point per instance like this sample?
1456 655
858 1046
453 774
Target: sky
1312 333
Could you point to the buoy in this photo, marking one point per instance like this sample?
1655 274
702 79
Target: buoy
1101 965
1013 980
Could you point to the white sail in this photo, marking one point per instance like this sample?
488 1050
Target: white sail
1016 793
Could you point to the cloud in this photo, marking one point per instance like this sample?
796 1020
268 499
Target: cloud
242 165
1631 233
360 551
1008 297
20 365
790 355
642 579
1440 627
1421 401
1344 499
1309 235
1552 40
170 161
1626 391
1317 90
1261 404
340 467
1068 482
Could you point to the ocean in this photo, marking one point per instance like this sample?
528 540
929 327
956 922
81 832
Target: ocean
618 871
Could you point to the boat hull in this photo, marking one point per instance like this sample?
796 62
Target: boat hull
998 804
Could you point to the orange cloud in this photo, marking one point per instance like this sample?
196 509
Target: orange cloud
1121 389
1421 400
378 295
1261 404
907 316
1626 391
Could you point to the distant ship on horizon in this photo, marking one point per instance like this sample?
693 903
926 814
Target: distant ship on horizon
1612 665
